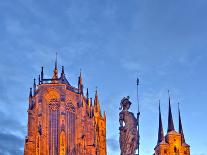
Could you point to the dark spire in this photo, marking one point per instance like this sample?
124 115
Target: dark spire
160 130
39 80
55 72
30 93
87 94
170 118
80 84
181 127
42 75
34 86
63 71
63 78
91 101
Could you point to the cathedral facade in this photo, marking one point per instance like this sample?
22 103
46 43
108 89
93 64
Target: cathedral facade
173 143
62 120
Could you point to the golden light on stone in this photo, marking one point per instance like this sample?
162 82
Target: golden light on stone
63 121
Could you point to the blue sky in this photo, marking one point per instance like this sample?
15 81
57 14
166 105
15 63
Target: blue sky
162 42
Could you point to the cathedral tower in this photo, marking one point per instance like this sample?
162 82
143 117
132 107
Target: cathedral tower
62 120
173 143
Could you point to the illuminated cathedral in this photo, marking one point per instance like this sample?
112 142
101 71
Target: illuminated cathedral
173 143
62 120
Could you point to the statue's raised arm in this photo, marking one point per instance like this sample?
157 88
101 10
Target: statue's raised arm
128 129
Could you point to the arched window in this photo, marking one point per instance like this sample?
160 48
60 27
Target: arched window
62 143
70 123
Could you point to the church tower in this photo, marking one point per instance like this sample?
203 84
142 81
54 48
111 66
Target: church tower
173 143
62 120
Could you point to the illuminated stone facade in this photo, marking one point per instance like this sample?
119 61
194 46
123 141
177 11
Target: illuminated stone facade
173 143
62 120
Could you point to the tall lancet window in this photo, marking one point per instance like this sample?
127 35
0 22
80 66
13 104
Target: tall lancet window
62 143
70 123
53 99
53 127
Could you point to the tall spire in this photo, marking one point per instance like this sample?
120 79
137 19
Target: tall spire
34 86
80 84
87 96
170 118
30 93
63 71
55 72
160 130
63 78
96 101
42 75
181 127
39 80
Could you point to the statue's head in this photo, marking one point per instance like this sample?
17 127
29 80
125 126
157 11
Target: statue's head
125 103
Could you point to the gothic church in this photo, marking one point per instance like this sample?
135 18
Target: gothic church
62 120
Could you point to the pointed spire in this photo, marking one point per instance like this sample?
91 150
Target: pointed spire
160 130
96 101
42 75
87 94
170 118
34 86
80 84
180 126
30 93
63 71
63 78
55 72
39 80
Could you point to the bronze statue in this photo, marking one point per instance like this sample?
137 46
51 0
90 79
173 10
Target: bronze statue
128 129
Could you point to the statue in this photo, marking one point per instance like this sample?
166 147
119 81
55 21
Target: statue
128 129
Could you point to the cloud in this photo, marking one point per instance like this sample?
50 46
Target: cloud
10 144
12 135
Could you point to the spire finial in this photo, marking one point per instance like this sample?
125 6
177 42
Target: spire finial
180 125
34 86
42 74
55 74
80 84
160 130
170 118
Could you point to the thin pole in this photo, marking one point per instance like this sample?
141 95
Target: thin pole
138 114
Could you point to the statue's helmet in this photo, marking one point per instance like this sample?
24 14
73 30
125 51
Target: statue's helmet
125 101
